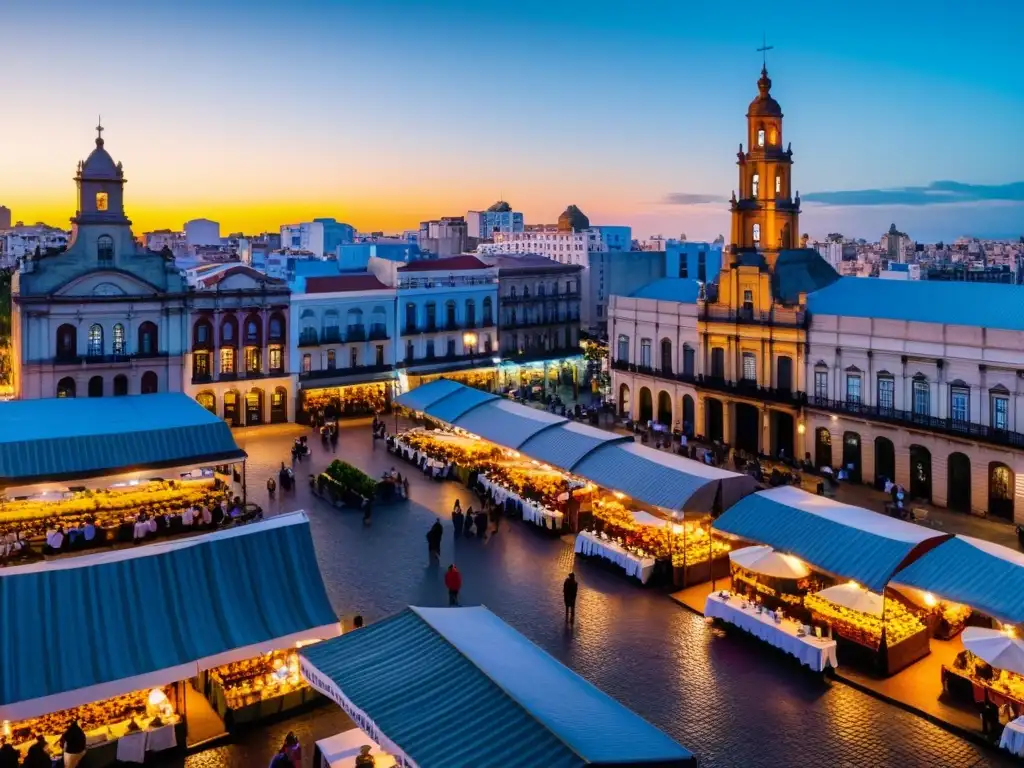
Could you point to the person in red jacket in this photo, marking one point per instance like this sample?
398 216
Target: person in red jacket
453 581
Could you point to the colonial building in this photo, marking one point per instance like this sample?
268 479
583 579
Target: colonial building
913 381
538 319
343 343
104 317
237 361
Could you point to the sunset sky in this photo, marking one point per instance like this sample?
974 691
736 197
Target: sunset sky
382 113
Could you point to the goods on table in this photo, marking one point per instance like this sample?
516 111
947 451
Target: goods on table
1009 684
107 508
138 709
450 448
535 484
253 680
863 627
687 543
354 400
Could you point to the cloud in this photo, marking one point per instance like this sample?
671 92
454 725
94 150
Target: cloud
690 198
936 193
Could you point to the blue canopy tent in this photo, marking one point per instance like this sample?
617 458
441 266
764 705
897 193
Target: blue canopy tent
72 438
986 576
845 541
87 628
608 459
442 687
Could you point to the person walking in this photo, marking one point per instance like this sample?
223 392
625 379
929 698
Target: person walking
271 486
73 744
569 589
293 749
457 518
453 581
434 541
9 756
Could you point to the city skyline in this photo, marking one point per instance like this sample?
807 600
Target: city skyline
632 114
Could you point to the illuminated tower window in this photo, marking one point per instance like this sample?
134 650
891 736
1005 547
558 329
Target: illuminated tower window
773 138
760 138
757 233
101 201
754 185
778 184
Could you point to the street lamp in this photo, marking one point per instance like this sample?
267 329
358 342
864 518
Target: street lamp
469 342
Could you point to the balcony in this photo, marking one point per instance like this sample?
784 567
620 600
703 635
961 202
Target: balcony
202 378
378 333
540 297
339 373
355 333
308 338
740 388
783 318
967 430
63 359
331 335
410 329
522 322
538 355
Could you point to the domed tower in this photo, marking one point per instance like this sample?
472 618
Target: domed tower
100 188
573 219
765 215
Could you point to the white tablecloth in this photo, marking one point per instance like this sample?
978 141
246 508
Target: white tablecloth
1013 737
131 748
810 651
161 738
590 544
533 512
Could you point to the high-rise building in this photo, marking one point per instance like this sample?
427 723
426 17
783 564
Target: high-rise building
5 217
498 218
200 232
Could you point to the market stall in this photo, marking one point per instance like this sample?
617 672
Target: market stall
351 401
342 750
851 555
141 627
405 680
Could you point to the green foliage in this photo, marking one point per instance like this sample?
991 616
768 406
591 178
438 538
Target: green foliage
344 477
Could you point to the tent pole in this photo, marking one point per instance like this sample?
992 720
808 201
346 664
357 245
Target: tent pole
244 487
711 557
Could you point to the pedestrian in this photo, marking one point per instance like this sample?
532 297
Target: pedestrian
293 749
38 754
9 756
480 521
453 581
281 759
467 525
368 512
569 589
457 518
357 622
271 486
73 744
434 541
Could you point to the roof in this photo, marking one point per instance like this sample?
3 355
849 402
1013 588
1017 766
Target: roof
213 274
449 264
800 270
986 305
510 263
678 289
663 479
136 625
500 207
565 445
573 218
344 283
458 686
610 460
983 575
73 438
764 104
846 541
99 164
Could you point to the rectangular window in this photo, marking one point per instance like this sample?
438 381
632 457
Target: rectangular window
922 404
253 363
853 387
886 393
960 404
688 360
451 347
201 364
275 359
1000 412
332 360
227 360
380 355
624 348
645 352
821 385
778 185
749 366
307 363
353 358
702 267
430 348
684 268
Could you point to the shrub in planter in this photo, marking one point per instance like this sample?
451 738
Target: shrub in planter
343 482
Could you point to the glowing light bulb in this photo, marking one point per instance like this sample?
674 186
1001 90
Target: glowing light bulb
929 600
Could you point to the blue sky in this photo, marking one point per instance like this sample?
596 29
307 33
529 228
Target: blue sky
384 113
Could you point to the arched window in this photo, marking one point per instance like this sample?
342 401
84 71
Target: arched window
150 383
332 326
449 314
666 356
120 385
778 185
228 334
470 313
276 327
119 345
488 311
252 330
105 249
95 340
379 323
623 348
67 343
754 184
66 387
96 386
760 137
757 233
148 339
202 333
208 400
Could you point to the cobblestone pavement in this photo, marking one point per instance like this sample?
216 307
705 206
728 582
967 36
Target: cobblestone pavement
730 699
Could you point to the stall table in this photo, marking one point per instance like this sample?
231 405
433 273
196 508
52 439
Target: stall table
811 651
591 545
532 511
1012 739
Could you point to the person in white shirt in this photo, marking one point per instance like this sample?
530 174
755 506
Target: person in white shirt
55 539
187 516
207 517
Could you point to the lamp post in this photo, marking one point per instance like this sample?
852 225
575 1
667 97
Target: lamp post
469 342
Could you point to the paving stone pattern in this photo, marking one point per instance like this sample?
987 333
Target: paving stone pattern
730 699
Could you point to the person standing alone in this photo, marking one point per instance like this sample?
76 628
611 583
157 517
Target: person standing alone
434 541
569 589
453 581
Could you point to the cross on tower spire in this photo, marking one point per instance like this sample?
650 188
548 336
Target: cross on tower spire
99 130
763 50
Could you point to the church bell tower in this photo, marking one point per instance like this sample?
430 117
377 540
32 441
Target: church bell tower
765 214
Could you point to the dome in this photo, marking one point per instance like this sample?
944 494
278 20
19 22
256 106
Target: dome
500 207
573 219
764 104
99 164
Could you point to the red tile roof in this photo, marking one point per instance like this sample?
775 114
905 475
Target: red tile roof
343 283
218 272
450 264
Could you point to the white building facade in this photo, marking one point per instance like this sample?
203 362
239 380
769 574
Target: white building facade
103 317
308 236
199 232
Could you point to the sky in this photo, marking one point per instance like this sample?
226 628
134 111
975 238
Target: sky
383 113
